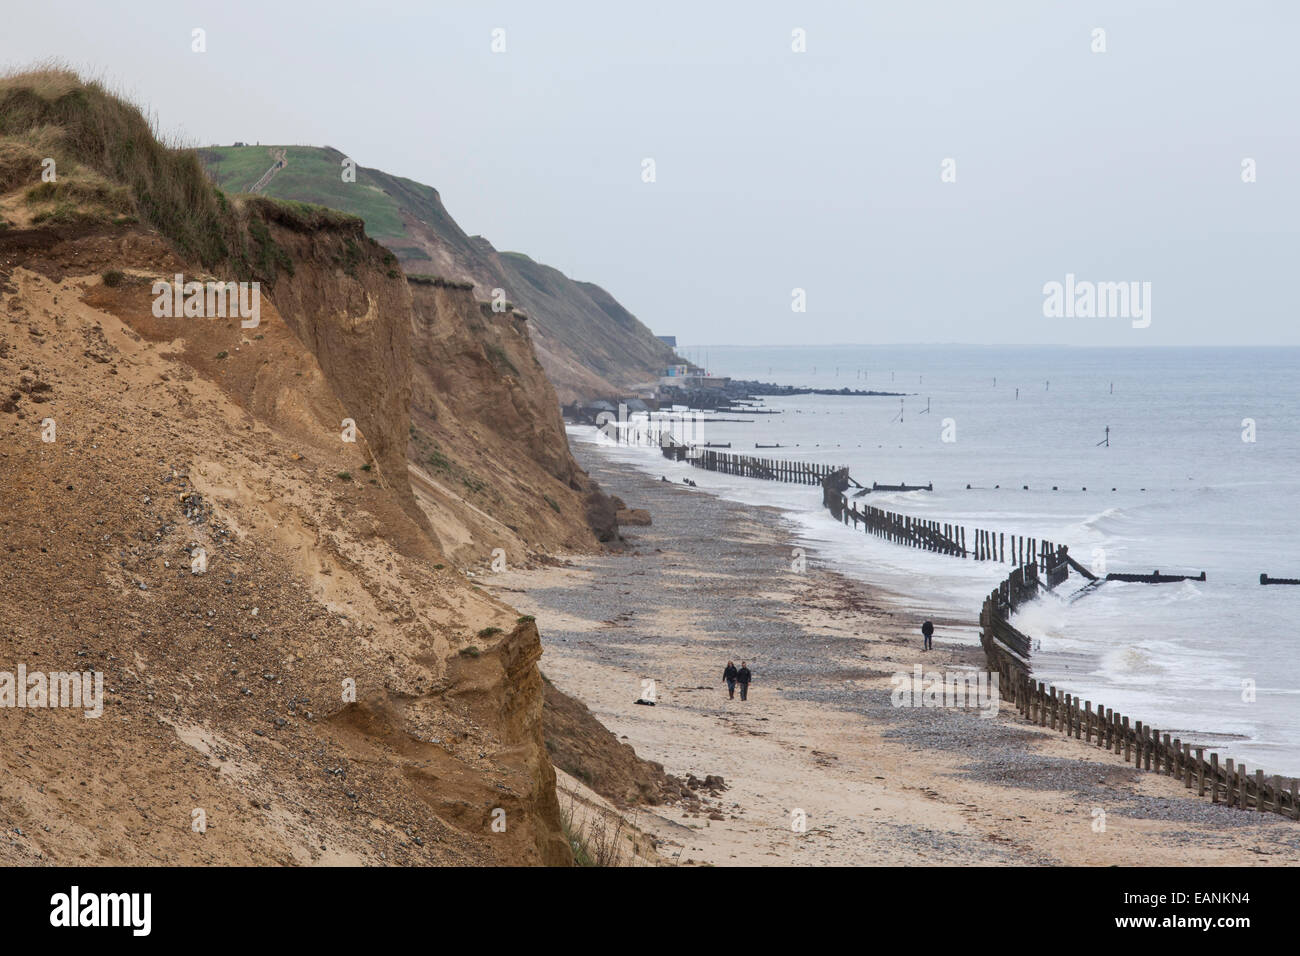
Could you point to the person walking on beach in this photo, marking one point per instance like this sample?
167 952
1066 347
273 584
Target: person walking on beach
729 675
927 631
743 677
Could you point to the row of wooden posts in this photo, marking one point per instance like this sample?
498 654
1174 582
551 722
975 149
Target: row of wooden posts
1007 651
747 466
940 536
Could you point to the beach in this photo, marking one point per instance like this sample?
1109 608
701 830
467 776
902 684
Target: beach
820 767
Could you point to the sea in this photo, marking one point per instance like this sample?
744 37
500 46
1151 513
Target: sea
1177 460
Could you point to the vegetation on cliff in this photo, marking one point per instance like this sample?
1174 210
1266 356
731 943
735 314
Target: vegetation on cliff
588 343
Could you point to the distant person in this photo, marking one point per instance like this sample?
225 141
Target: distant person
927 632
743 677
729 675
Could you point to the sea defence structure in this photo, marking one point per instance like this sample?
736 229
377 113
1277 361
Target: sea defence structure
747 466
1007 653
1037 565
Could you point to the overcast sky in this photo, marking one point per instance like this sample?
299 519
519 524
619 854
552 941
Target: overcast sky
775 169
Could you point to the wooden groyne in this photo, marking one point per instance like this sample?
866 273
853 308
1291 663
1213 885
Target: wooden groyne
748 466
1155 577
938 536
1038 564
1007 652
1041 564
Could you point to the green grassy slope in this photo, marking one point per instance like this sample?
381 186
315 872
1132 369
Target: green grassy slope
588 343
311 175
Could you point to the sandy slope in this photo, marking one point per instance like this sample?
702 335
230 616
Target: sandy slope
225 689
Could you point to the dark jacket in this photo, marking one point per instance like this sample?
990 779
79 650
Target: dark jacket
743 675
927 628
729 673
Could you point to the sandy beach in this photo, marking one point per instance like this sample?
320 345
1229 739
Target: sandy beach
819 742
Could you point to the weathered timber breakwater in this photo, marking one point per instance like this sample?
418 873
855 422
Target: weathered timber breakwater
1007 652
747 466
1038 564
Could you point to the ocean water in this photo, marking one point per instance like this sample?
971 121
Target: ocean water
1177 489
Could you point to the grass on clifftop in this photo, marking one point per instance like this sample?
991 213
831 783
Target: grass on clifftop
112 168
311 174
95 135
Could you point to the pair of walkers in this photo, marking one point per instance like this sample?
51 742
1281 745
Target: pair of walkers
733 677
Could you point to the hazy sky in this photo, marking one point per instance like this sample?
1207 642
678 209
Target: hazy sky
778 170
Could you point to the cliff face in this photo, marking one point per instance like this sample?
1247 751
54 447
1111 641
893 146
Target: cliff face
341 302
291 671
489 458
589 345
229 691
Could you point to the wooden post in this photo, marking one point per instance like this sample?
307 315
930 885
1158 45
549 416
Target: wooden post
1087 721
1229 780
1126 740
1295 799
1200 771
1275 787
1214 777
1259 791
1187 766
1168 755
